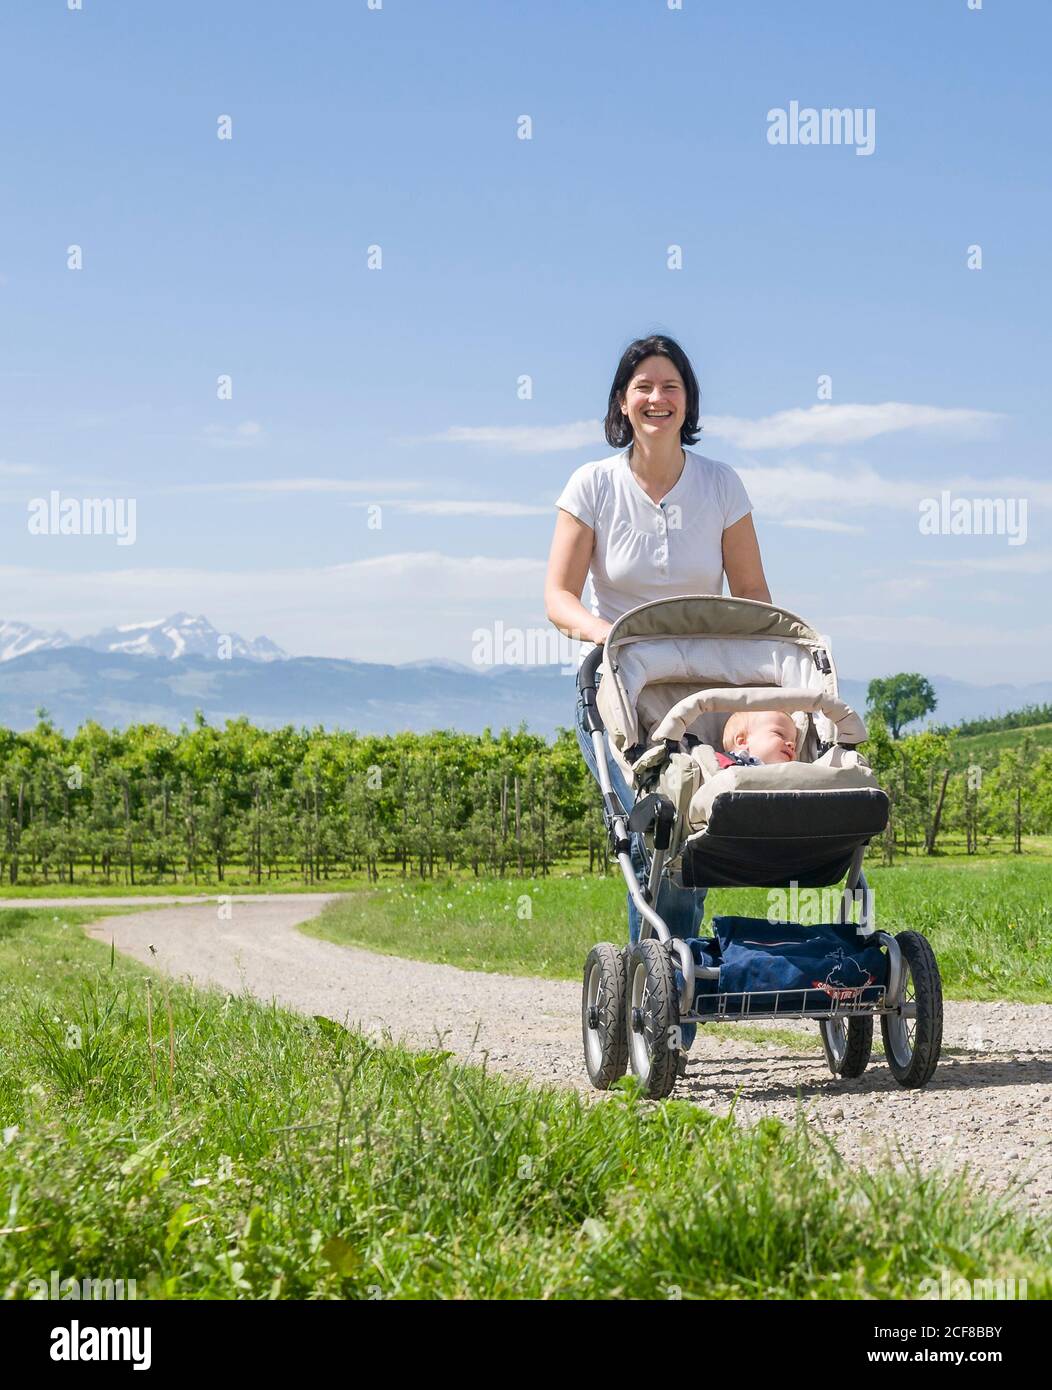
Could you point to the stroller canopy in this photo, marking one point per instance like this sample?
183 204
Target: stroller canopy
680 666
660 653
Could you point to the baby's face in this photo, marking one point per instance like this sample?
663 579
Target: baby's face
772 737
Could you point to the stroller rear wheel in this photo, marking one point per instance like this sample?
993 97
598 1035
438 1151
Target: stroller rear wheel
847 1043
603 1016
913 1039
652 1019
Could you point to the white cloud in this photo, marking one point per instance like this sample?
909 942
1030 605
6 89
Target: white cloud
902 587
933 630
309 485
779 490
820 424
522 439
794 485
817 524
242 436
410 568
990 596
1018 561
416 565
17 469
467 507
373 489
845 424
1004 485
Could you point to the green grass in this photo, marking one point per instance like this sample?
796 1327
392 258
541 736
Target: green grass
990 922
94 888
986 747
284 1157
238 880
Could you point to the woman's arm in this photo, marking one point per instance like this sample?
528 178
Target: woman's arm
741 561
568 562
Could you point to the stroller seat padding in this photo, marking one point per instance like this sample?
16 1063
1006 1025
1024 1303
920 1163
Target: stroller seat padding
765 826
801 783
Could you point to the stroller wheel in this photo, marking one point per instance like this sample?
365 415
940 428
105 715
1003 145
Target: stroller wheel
652 1017
847 1043
913 1039
603 1016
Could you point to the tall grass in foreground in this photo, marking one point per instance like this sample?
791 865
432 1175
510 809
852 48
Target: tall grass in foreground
279 1156
990 925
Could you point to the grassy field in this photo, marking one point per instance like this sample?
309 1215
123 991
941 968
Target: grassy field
989 921
94 888
239 881
252 1153
986 747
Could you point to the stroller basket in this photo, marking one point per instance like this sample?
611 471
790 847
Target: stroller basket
787 1003
785 968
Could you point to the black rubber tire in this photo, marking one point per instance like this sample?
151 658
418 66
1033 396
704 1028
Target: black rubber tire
857 1051
925 983
653 1051
605 1045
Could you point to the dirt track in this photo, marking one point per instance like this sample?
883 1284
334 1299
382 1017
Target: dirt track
989 1105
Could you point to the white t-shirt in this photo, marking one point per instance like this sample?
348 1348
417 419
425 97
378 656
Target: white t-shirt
647 550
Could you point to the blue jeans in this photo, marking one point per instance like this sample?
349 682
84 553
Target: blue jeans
682 909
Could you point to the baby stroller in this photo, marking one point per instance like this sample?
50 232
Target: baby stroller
672 671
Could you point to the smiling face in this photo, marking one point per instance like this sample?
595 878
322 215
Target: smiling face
770 736
655 401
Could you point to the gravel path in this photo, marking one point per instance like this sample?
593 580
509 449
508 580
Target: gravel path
989 1105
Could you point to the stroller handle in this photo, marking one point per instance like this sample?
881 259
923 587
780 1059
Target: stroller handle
586 683
849 727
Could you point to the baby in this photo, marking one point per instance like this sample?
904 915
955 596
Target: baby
761 736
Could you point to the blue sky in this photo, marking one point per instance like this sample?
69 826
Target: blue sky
355 387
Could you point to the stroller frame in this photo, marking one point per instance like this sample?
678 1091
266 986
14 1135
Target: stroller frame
913 987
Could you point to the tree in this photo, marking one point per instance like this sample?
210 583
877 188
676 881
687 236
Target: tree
1014 785
926 761
915 773
882 754
972 806
1043 792
900 699
150 804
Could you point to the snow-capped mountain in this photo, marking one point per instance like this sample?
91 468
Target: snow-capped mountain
16 639
173 637
181 635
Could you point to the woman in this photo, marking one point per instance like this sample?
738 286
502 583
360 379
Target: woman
652 521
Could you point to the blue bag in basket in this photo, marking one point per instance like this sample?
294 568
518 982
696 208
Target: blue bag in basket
828 962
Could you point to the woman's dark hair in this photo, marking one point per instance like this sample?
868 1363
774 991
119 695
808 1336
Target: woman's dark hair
619 432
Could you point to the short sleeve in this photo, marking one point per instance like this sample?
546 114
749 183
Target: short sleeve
736 503
578 496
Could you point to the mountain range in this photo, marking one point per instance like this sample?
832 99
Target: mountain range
178 636
163 671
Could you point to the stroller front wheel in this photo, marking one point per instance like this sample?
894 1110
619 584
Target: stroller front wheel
652 1020
603 1016
848 1043
913 1039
